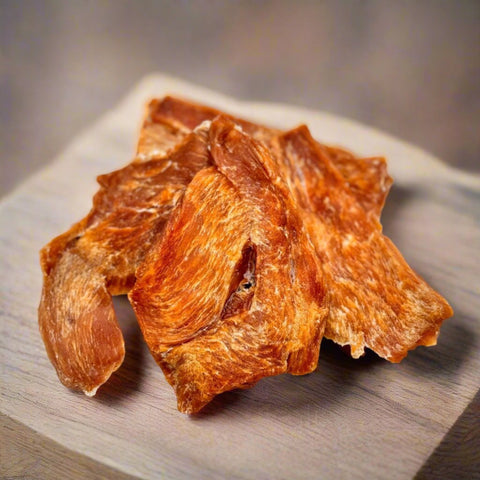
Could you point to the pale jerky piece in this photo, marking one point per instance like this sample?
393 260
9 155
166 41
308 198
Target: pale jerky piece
376 300
98 257
366 177
232 291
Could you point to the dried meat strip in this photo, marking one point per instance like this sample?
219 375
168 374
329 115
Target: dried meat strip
98 256
376 300
232 291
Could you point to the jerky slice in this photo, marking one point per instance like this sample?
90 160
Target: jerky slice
376 300
98 257
231 293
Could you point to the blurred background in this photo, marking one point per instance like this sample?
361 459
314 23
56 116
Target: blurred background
410 68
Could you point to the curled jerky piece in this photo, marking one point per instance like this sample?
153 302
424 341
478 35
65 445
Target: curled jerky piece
98 257
232 291
376 300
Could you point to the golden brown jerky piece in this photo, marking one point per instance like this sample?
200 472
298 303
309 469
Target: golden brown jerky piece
98 257
366 177
375 298
231 293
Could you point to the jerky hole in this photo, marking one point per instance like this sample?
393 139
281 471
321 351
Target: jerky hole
72 242
242 284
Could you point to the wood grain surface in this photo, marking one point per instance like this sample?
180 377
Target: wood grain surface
27 454
349 419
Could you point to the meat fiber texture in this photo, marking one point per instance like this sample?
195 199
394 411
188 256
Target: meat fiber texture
240 247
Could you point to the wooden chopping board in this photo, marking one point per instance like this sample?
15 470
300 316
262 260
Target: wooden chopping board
349 419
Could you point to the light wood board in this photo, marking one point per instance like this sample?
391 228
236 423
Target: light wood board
349 419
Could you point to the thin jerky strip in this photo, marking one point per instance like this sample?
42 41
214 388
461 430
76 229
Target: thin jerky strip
98 257
376 300
208 295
